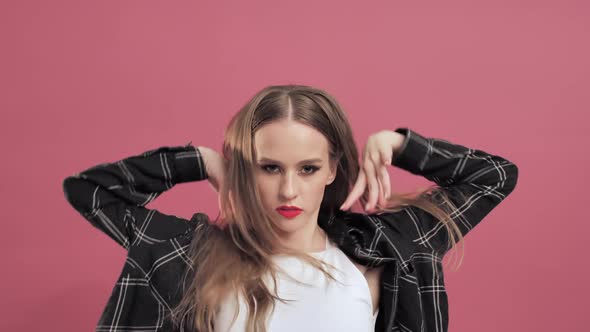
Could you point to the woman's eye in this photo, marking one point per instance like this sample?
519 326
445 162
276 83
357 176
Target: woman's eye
268 168
306 169
311 169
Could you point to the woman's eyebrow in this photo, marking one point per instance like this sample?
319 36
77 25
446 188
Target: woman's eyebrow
306 161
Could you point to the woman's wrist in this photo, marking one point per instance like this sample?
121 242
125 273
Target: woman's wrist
399 140
205 154
396 140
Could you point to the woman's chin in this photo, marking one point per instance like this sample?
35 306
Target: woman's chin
288 225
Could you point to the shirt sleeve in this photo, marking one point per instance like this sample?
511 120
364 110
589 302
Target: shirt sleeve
113 196
475 181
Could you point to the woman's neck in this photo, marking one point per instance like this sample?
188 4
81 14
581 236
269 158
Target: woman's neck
306 240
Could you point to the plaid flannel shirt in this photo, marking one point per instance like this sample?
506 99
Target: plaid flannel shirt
410 243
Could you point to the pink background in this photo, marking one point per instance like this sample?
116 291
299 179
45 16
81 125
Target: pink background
86 82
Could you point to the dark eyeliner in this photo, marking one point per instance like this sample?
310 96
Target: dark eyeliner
312 168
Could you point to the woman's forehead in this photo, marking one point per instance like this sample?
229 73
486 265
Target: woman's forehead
290 142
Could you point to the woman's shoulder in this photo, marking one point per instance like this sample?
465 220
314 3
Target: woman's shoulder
164 264
371 237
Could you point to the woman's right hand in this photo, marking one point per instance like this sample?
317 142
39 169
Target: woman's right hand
215 167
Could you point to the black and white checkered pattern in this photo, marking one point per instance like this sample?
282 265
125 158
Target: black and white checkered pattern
410 243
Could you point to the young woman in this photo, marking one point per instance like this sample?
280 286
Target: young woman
286 253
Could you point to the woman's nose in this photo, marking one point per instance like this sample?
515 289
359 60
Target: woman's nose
288 188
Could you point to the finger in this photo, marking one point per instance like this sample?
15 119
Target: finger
381 199
220 218
386 159
372 183
385 182
356 192
386 154
226 208
220 205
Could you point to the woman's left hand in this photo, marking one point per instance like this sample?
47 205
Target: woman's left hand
377 155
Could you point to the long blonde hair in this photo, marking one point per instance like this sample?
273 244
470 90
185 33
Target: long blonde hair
234 260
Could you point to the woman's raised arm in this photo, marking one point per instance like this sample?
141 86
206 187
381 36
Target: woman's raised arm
112 196
474 180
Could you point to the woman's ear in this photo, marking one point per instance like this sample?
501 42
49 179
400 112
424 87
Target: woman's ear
332 173
330 180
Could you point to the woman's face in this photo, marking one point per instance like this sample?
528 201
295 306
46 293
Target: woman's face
292 168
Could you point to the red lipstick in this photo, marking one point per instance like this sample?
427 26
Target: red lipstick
289 211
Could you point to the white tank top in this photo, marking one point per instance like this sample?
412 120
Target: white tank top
320 304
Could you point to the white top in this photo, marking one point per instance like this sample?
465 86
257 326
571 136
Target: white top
320 304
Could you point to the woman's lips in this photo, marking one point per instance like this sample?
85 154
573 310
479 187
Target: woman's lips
289 212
